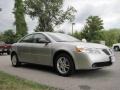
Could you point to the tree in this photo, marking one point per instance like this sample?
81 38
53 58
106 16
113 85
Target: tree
119 38
1 36
8 36
107 34
21 27
92 29
49 13
60 31
77 35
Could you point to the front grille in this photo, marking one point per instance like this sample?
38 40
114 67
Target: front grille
106 51
102 64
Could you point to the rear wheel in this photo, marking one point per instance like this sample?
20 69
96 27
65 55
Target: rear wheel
8 52
1 53
15 61
64 64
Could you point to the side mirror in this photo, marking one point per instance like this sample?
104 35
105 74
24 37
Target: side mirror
84 40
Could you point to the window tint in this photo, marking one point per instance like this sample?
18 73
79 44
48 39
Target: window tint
28 39
40 37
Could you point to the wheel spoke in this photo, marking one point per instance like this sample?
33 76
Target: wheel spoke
14 60
67 66
63 69
61 60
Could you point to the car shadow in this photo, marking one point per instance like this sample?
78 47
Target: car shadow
79 73
5 54
38 67
93 73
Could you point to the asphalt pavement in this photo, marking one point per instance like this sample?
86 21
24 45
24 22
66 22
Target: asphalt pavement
103 79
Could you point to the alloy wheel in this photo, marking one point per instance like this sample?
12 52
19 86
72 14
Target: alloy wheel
63 65
14 60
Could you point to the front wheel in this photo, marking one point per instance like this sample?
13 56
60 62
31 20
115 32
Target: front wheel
15 61
64 65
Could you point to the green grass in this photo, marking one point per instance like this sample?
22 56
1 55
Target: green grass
9 82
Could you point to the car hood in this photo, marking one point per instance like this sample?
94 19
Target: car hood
86 45
116 44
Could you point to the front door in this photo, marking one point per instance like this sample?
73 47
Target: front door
41 51
24 48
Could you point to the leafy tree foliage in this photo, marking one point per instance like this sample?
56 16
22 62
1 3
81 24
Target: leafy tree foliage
8 36
119 38
60 31
92 29
77 35
21 27
49 13
1 36
111 36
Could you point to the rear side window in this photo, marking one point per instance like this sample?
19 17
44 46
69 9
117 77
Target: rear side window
28 39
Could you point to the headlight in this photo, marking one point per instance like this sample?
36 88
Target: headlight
88 50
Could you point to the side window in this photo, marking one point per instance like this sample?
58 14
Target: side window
28 39
38 38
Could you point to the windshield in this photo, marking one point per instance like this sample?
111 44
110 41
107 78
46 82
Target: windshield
58 37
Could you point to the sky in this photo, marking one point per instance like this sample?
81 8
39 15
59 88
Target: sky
108 10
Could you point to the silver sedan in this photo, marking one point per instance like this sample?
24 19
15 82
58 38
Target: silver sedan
63 52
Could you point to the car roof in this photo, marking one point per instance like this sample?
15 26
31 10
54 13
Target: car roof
44 32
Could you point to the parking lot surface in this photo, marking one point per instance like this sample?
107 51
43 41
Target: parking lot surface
103 79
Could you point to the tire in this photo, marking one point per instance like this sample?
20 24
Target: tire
116 48
15 61
1 53
64 65
8 52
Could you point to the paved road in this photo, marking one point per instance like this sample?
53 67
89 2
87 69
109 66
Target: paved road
104 79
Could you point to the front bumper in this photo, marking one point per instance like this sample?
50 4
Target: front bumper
102 64
93 61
